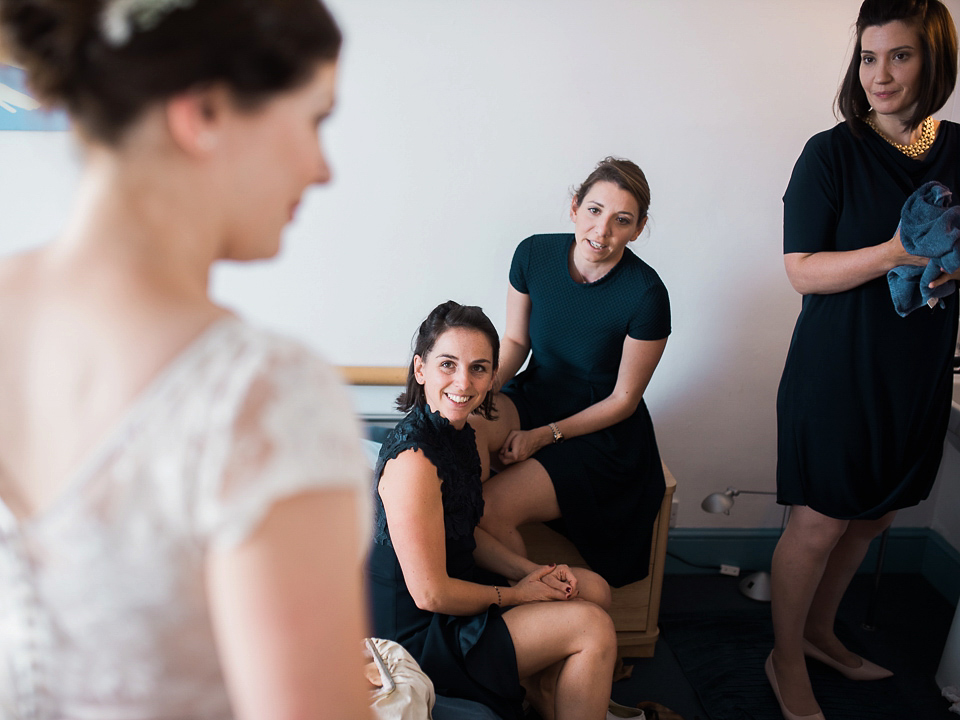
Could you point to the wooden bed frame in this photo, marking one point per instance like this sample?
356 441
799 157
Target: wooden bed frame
636 607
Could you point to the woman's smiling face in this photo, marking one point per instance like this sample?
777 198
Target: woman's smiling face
456 374
891 61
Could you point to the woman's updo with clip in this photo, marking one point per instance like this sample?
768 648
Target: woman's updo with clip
106 61
442 318
622 173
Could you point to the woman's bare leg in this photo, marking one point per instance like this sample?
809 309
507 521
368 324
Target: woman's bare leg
492 434
592 587
580 637
841 567
541 690
524 493
799 563
520 494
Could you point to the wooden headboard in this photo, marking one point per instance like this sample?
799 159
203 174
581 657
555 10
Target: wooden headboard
374 374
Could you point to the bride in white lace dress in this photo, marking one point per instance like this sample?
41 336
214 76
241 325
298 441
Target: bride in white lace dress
182 496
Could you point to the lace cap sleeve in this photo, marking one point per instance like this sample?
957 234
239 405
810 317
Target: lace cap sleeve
291 429
453 453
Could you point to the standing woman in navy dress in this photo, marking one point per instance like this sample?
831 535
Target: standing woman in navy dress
573 430
865 395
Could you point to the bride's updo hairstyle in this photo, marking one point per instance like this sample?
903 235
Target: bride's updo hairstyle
106 61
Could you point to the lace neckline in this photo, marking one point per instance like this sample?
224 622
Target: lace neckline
440 423
125 423
453 453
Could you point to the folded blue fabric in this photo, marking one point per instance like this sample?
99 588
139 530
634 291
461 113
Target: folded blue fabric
930 228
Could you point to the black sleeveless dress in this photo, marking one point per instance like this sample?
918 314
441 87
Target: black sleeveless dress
470 657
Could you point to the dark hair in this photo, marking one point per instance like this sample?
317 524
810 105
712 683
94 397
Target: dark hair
255 47
442 318
938 75
622 173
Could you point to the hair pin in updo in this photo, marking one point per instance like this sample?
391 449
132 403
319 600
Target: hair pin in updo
120 19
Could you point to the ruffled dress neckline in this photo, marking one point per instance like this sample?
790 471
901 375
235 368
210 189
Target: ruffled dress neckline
454 454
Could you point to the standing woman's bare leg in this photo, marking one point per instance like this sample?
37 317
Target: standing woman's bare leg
842 566
799 563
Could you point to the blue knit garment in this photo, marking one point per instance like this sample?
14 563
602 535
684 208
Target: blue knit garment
930 228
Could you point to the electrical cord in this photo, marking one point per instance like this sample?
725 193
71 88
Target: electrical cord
692 564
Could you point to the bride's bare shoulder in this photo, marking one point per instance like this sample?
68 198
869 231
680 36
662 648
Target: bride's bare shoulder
16 270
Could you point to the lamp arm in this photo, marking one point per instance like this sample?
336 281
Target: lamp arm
752 492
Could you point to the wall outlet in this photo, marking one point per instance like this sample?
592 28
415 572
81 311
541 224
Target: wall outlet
732 570
674 509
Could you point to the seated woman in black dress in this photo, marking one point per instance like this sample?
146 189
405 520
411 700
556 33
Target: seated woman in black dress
572 429
476 641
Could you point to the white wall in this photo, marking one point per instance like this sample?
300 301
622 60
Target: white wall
461 127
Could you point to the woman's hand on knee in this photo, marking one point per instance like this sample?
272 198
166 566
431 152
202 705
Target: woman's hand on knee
533 588
562 579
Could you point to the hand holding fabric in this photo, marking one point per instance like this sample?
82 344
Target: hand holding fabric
945 277
929 228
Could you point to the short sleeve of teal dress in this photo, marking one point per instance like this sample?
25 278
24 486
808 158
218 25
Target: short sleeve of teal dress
609 483
470 657
864 400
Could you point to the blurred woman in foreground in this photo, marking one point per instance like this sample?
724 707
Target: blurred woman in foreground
179 516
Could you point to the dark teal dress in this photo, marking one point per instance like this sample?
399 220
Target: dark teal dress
864 400
609 483
470 657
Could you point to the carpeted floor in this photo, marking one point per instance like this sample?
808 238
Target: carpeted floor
723 656
709 659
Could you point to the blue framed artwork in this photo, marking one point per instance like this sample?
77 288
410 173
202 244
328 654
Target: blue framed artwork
20 111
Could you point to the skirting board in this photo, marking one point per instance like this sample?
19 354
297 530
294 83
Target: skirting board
909 550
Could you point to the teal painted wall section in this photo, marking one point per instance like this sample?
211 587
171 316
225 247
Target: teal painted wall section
909 550
695 550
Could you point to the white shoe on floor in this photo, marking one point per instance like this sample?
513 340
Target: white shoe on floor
615 711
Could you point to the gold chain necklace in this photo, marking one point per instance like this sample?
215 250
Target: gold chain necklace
928 133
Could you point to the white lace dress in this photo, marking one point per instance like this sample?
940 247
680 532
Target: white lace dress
103 607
